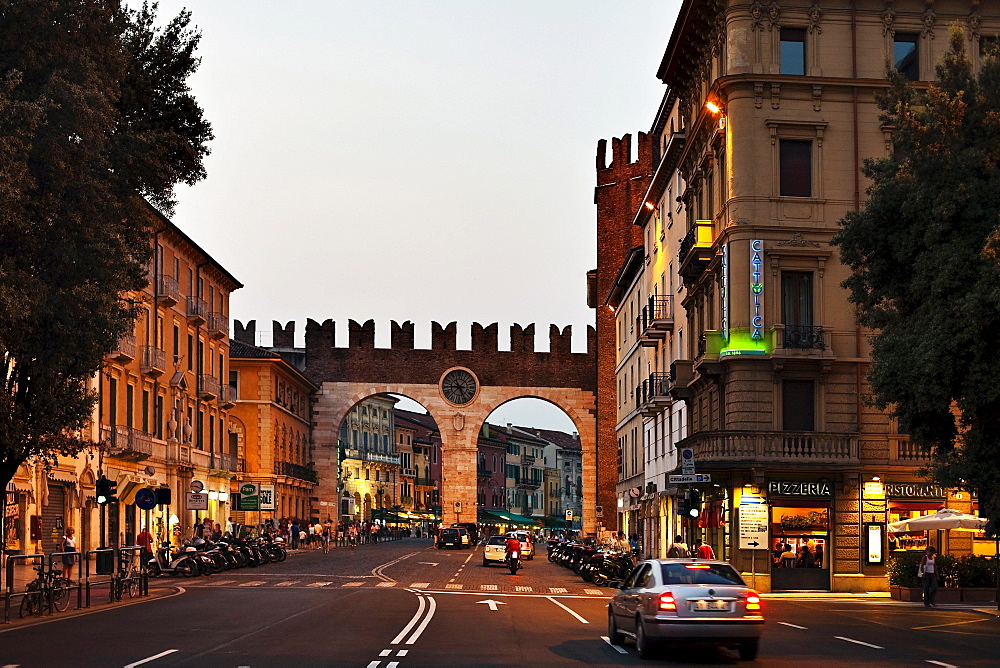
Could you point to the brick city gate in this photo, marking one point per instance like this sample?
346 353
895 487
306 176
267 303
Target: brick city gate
459 388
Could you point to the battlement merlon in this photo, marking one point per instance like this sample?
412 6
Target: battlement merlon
283 337
622 167
245 334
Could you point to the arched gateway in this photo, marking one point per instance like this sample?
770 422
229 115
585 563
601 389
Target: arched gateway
459 388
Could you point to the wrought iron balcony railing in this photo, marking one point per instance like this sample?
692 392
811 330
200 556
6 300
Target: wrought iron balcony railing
804 337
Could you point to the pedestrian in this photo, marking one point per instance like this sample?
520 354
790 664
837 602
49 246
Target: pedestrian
229 526
68 544
703 550
927 572
199 527
621 544
294 531
326 537
145 541
678 549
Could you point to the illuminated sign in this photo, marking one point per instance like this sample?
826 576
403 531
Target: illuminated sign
874 543
756 289
777 488
914 490
874 490
724 292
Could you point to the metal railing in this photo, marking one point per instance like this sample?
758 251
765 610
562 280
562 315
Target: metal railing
423 482
296 471
223 461
167 289
126 441
124 349
153 360
803 336
657 386
197 308
208 386
227 395
773 446
218 324
657 313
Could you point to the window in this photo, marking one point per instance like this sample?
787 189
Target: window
795 168
793 51
190 357
796 298
905 56
798 412
234 382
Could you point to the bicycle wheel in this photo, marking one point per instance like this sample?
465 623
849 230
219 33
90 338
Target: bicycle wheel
60 594
133 585
30 602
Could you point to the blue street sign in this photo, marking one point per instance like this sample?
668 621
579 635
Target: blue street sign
145 499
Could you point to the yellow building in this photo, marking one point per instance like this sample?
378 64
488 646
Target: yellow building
274 432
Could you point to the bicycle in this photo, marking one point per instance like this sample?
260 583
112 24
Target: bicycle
48 590
127 579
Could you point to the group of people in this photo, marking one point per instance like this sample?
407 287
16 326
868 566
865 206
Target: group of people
807 557
679 549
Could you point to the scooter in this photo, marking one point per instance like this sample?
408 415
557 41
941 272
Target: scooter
181 563
514 562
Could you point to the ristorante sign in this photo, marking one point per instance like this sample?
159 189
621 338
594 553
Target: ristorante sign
799 488
914 490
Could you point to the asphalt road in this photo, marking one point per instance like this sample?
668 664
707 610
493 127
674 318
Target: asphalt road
407 604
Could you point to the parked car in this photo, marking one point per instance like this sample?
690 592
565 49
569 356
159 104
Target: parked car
686 601
494 550
527 544
472 528
448 536
466 539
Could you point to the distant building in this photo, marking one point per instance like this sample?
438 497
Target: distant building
370 466
564 464
426 445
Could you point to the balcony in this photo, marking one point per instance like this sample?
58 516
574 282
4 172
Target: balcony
224 462
409 473
695 251
528 483
153 361
423 482
369 456
123 351
227 396
713 347
655 320
218 325
902 451
653 394
755 448
197 311
679 377
483 472
208 386
307 473
168 292
127 443
528 460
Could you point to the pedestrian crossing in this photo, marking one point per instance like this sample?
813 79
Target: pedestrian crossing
423 586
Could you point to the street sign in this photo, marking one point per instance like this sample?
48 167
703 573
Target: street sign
145 499
196 501
249 496
753 527
267 497
600 511
197 486
687 461
697 477
569 515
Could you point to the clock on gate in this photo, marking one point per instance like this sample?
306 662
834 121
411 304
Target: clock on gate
459 386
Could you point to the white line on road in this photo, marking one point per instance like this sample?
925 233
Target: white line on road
620 650
252 583
523 588
582 620
453 586
794 626
402 652
488 587
352 584
420 585
392 664
386 584
942 664
150 658
374 664
385 652
377 571
858 642
287 583
422 603
319 584
427 620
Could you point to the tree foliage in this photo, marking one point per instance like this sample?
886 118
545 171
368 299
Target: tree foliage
96 122
925 276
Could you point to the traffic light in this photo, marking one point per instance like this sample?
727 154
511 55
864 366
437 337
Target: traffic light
112 491
101 490
694 503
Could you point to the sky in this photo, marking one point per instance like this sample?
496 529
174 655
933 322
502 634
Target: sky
423 160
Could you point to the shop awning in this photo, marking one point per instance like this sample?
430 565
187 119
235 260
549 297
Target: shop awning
511 519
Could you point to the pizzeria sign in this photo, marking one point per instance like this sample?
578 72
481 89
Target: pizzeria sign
799 488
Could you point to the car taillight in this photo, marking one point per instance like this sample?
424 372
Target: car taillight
753 602
515 555
667 601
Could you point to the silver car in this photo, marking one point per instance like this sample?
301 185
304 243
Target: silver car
686 601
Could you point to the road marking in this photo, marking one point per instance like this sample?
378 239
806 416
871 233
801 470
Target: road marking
453 586
422 603
377 571
794 626
937 626
392 664
402 652
221 582
595 592
620 650
427 620
287 583
150 658
420 585
352 584
582 620
386 584
488 587
428 563
558 590
523 588
385 652
253 583
374 664
493 604
858 642
942 664
319 584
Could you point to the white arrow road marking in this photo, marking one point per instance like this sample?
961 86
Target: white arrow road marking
620 650
150 658
429 563
493 604
582 620
794 626
858 642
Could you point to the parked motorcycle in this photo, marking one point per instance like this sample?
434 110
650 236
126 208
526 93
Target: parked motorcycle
180 563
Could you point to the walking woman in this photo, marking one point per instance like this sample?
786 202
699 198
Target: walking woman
927 572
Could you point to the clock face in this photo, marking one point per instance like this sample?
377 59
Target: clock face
459 387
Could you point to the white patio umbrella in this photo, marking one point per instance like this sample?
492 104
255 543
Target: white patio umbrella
946 518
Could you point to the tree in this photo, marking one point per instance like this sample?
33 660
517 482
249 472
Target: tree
96 124
925 277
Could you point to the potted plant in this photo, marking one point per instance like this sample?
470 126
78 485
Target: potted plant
901 569
977 578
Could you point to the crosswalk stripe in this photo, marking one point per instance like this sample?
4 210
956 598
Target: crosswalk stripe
453 586
220 582
352 584
252 583
319 584
523 588
488 587
287 583
558 590
594 592
420 585
386 584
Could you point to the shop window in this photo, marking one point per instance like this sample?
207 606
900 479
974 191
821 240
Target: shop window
795 165
906 55
801 532
793 51
798 409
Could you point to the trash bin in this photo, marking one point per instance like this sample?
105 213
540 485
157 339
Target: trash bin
104 561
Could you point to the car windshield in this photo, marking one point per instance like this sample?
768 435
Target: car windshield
449 532
497 540
700 574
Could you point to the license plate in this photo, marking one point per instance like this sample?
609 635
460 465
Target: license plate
710 605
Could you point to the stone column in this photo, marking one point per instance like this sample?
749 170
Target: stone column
458 471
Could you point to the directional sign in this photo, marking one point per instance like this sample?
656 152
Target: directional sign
687 461
753 527
697 477
493 604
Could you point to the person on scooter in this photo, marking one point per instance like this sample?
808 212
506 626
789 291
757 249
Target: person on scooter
512 545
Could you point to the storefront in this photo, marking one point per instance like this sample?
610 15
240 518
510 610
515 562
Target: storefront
906 500
800 515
